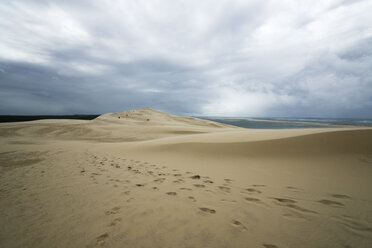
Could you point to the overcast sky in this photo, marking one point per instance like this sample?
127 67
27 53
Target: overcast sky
219 58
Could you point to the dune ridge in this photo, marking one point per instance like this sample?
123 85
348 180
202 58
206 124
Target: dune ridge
315 144
148 116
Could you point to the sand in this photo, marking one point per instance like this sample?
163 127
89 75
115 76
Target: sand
149 179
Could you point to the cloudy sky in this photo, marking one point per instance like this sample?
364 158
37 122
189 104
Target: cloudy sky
218 58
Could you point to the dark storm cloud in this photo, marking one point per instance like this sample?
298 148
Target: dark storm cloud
225 58
28 88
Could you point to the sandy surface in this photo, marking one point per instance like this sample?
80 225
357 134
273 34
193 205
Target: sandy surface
149 179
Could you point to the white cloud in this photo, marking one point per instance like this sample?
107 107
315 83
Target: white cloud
31 31
203 57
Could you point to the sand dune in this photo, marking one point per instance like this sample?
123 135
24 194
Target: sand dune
315 144
134 125
151 117
150 179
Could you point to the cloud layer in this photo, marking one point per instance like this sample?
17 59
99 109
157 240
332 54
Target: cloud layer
220 58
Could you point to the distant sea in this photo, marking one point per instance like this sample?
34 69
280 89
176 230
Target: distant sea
288 123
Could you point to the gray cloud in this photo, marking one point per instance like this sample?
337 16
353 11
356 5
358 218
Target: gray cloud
231 58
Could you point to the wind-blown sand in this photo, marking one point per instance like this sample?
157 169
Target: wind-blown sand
149 179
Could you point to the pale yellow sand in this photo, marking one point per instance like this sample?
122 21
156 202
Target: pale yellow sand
154 180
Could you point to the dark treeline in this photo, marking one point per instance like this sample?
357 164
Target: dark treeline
17 118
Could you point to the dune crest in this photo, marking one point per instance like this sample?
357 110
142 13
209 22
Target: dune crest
149 116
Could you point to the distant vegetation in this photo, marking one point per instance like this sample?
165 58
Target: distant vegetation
17 118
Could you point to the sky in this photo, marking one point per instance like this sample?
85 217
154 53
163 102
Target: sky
288 58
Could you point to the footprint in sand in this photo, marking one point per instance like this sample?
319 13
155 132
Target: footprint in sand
140 184
101 239
251 199
199 185
355 224
292 188
159 180
341 196
238 224
227 180
258 185
191 198
291 204
331 203
269 246
284 200
224 189
179 181
185 189
114 210
251 190
304 210
208 210
171 193
208 181
195 177
115 221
